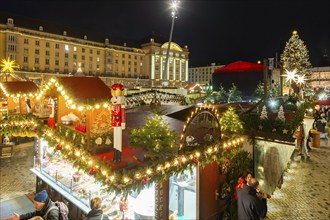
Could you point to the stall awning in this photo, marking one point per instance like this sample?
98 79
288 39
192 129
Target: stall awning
240 66
19 87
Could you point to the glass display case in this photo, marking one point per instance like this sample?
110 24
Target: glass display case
79 188
183 195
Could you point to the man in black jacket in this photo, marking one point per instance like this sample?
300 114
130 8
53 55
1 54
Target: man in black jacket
42 204
250 207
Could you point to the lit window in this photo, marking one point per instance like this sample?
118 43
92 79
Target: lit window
74 48
66 47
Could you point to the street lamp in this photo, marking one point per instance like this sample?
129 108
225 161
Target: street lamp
174 7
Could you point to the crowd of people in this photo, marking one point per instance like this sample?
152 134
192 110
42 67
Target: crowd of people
46 209
251 200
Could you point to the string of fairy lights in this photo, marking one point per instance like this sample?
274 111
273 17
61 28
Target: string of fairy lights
83 159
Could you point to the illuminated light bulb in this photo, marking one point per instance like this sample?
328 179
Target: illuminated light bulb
191 157
49 83
104 173
78 154
229 143
70 101
180 145
63 92
215 148
105 105
234 142
176 162
197 154
112 178
242 139
183 159
137 176
66 97
80 108
97 106
73 106
209 150
126 180
148 171
62 142
83 158
159 168
52 80
60 88
90 162
67 146
167 165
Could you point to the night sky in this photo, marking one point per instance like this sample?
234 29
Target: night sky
220 31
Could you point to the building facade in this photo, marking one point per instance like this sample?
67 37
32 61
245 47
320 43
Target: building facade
320 77
202 75
39 51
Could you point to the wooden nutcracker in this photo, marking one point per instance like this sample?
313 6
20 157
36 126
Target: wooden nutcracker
51 119
118 115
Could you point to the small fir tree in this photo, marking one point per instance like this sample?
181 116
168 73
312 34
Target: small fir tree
264 115
230 122
259 91
234 95
155 137
222 95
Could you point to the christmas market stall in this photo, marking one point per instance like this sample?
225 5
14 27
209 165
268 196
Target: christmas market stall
173 165
18 97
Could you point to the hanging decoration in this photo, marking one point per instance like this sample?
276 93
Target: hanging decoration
264 115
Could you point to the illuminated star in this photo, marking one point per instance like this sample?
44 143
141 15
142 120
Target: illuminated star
7 65
290 75
285 131
301 79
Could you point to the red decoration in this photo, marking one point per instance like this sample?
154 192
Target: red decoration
195 160
144 180
51 122
81 128
92 171
59 147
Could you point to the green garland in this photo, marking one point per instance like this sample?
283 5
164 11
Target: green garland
124 181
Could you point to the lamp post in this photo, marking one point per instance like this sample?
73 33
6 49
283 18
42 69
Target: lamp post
174 7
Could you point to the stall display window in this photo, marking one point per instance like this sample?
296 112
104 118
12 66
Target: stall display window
83 187
182 195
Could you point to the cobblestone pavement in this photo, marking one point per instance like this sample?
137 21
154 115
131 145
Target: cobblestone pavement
16 179
305 193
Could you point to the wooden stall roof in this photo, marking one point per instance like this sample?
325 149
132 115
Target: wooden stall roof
85 88
16 87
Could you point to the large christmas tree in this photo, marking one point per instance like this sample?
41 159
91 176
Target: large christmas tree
295 56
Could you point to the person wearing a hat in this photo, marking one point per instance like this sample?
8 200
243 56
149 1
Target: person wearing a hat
41 204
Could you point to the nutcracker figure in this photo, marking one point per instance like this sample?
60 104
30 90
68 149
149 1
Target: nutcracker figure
118 119
51 119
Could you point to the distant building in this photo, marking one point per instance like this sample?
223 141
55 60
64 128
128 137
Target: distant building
202 75
44 52
320 77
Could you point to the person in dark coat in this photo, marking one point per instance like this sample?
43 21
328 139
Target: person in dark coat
41 204
250 207
96 213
